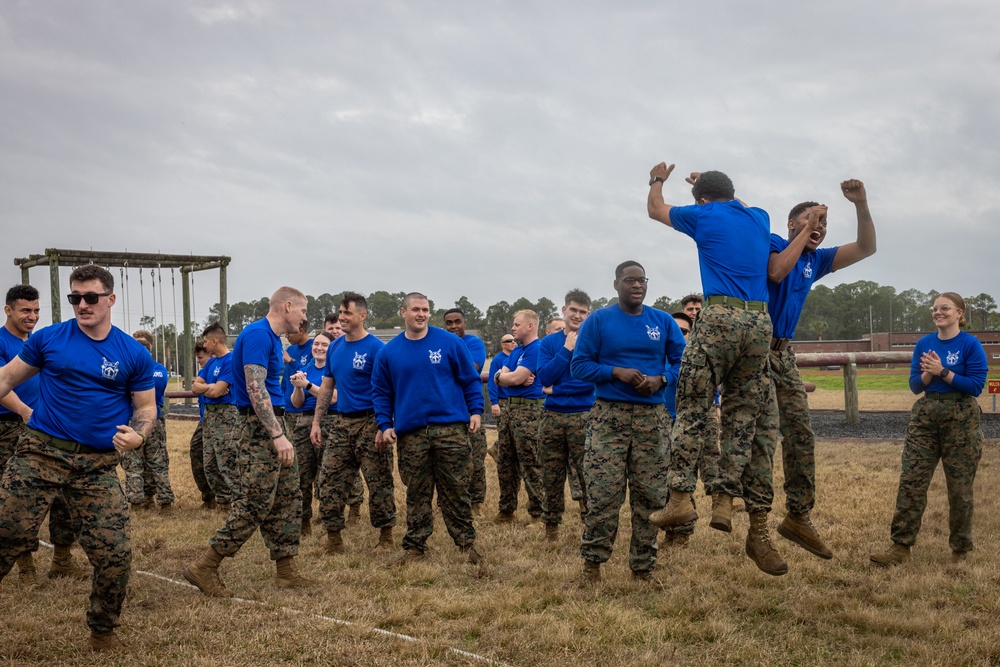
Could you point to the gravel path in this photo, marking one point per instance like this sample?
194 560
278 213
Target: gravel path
881 425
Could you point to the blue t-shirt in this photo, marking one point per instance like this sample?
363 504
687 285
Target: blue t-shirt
350 364
428 381
300 355
733 242
650 342
477 350
85 386
315 375
161 377
27 391
963 355
220 369
787 298
496 392
568 393
257 345
525 356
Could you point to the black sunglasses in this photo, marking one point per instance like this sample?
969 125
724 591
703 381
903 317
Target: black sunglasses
685 331
89 297
507 341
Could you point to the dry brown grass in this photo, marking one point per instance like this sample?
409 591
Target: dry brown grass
718 608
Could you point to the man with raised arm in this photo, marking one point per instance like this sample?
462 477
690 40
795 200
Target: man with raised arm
269 498
72 447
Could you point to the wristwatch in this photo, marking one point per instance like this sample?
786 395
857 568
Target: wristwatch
657 178
943 374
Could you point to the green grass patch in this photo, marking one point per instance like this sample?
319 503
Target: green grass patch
865 382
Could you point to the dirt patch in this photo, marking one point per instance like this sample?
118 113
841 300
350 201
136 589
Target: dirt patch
833 399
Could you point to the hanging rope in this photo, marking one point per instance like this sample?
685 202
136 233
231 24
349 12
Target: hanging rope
121 281
194 306
177 333
128 321
163 320
152 289
142 300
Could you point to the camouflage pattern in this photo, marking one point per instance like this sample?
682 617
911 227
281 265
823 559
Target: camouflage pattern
34 477
198 463
707 460
519 459
477 476
357 494
757 478
298 426
220 435
436 458
798 444
947 430
561 438
269 498
63 530
728 348
349 445
148 467
625 449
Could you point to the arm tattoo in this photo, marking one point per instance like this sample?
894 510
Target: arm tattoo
142 421
323 399
260 399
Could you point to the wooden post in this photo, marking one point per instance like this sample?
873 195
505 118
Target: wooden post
24 276
851 390
54 285
187 355
223 299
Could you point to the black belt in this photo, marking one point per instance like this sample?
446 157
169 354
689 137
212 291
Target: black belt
779 344
10 417
370 412
302 412
721 299
279 411
946 395
66 445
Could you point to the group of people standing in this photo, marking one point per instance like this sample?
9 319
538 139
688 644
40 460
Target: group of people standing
620 401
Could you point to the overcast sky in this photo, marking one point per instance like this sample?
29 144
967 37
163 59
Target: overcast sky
492 150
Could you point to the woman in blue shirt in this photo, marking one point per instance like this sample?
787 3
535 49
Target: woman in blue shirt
307 381
949 367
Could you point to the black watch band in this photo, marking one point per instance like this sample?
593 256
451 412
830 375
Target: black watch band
657 178
943 374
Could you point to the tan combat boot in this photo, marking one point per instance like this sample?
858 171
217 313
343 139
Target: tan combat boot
354 515
679 509
26 570
63 564
334 542
798 528
759 547
204 573
897 554
647 579
589 577
552 532
410 555
722 512
105 642
471 555
288 577
384 540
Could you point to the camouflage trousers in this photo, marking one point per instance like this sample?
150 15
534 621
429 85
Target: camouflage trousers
349 445
477 474
268 499
561 438
436 458
948 430
62 527
728 348
149 467
625 449
798 444
198 463
298 426
39 472
221 435
518 459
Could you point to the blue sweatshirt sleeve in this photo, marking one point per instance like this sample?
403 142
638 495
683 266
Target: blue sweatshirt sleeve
491 384
469 378
976 369
916 384
585 365
382 392
675 350
553 361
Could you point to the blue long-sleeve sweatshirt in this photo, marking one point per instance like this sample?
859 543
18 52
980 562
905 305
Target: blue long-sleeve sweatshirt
568 393
963 355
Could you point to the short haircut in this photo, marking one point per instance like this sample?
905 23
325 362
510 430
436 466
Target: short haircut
325 334
451 311
692 298
527 314
411 296
214 330
145 338
332 318
681 315
578 296
285 294
21 293
713 186
199 346
959 303
359 301
88 272
620 269
799 209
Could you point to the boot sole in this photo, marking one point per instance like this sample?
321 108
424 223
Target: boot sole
194 582
725 525
773 573
659 522
793 537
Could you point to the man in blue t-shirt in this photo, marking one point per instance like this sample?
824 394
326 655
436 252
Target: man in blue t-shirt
567 405
221 418
270 499
454 321
197 445
728 348
347 431
794 265
73 446
427 393
524 406
21 309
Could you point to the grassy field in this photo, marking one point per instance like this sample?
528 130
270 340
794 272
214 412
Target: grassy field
717 608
